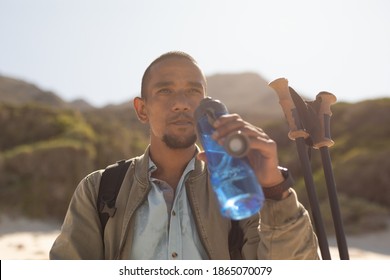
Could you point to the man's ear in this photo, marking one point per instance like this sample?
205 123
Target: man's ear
140 109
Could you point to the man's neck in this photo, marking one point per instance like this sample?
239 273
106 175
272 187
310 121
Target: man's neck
170 163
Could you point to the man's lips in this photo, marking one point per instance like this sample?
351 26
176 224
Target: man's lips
182 120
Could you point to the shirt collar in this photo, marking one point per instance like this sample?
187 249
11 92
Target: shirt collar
190 167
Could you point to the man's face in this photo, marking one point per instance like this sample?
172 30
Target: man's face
174 89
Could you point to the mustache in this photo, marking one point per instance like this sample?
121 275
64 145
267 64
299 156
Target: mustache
188 117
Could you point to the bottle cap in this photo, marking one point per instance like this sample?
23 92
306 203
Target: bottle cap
210 108
237 144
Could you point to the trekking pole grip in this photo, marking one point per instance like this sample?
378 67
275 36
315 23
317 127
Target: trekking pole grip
282 89
324 138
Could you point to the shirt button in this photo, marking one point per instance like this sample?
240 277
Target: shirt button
173 213
174 255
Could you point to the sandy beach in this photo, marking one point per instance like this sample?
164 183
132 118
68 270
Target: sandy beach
23 239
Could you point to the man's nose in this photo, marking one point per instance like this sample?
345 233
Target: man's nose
181 102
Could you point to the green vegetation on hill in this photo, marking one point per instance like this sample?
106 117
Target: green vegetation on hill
45 152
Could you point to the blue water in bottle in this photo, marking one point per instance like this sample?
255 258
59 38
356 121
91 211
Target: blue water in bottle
233 180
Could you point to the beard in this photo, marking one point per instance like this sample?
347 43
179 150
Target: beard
175 142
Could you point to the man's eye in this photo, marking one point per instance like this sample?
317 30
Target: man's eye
165 91
195 90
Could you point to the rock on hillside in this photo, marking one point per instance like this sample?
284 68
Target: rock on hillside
80 104
18 92
245 93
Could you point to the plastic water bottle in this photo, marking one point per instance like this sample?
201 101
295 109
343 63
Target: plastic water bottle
233 180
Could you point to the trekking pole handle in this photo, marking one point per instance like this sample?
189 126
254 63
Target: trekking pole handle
324 114
282 89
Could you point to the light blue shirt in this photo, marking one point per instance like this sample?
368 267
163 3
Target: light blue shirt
164 225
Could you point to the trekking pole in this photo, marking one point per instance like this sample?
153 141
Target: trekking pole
323 141
298 134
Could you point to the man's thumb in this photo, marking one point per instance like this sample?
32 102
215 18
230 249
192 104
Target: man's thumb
202 156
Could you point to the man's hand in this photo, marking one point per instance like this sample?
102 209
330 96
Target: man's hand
262 156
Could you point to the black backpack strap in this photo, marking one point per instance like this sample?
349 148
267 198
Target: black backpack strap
110 185
236 241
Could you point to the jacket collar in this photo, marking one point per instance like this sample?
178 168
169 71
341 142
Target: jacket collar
142 168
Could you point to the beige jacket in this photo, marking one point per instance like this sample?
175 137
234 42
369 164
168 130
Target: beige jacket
285 231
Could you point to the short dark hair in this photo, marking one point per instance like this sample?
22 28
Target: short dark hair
170 54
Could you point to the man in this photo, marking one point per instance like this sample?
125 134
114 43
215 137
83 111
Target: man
166 208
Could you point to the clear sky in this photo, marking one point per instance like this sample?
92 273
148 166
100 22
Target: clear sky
98 49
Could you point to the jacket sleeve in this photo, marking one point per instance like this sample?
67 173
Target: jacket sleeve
80 236
286 231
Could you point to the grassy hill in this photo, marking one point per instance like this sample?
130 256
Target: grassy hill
47 147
